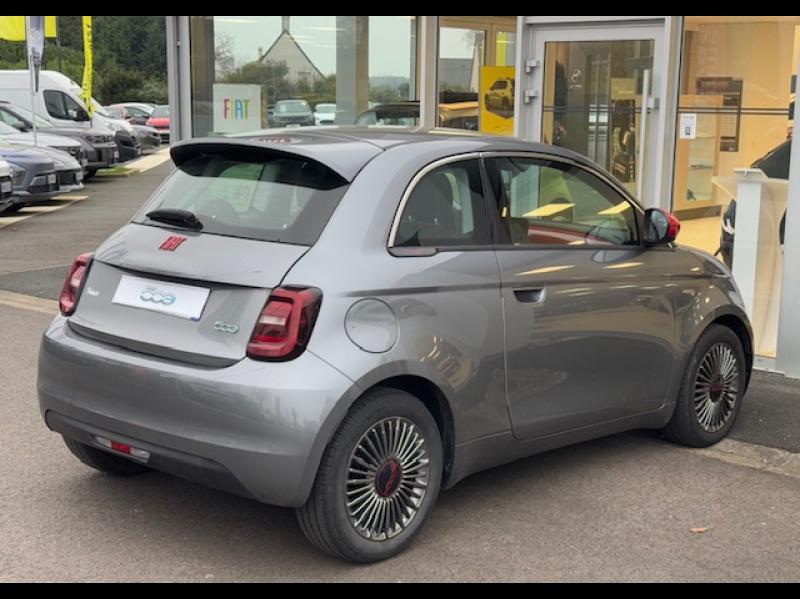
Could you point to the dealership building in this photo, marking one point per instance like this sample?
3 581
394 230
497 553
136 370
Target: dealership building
687 112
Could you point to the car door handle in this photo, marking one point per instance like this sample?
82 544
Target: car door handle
534 296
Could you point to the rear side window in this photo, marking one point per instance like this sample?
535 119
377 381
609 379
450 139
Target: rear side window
275 198
445 208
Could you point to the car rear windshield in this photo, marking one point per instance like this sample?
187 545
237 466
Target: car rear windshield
292 106
160 111
278 197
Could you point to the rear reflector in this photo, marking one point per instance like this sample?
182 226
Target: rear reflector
122 448
285 324
73 284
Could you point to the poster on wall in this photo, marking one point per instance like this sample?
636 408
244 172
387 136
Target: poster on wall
731 91
237 108
497 100
688 126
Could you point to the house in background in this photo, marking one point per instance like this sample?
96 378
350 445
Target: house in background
286 50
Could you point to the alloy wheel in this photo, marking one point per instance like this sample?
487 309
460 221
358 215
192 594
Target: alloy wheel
387 478
716 387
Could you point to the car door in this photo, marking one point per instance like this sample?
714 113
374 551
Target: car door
588 309
445 289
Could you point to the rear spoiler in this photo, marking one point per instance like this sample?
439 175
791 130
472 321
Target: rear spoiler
344 157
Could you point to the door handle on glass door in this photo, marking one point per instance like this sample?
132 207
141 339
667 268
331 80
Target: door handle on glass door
534 296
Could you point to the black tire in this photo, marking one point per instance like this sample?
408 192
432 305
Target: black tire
687 426
325 518
104 461
13 209
90 172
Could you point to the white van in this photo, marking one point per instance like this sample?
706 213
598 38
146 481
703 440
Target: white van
59 98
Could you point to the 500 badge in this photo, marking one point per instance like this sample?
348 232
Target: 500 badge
226 327
152 294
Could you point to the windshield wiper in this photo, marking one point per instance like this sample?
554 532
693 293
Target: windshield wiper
179 218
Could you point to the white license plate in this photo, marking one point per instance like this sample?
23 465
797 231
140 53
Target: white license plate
51 179
5 186
116 155
84 162
79 176
173 299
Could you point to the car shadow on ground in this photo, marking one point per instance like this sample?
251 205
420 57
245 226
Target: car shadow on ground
199 522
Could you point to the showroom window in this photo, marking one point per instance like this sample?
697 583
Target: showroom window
737 88
256 72
476 73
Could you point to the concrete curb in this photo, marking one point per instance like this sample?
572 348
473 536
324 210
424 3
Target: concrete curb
758 457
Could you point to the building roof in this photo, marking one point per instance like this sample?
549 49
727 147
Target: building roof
285 35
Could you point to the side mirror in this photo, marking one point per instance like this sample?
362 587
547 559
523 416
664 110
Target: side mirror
20 126
660 226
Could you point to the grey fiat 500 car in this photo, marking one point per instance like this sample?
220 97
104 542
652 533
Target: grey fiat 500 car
346 321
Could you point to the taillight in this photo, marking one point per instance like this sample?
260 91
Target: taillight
73 284
285 324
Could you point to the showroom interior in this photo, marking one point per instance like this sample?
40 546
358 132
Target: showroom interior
689 113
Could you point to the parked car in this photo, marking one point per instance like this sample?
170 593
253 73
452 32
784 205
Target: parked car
33 175
452 115
159 120
149 137
129 145
292 113
479 319
100 149
69 146
134 113
145 137
69 172
325 114
6 186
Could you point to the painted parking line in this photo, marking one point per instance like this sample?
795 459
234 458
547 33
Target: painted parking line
57 203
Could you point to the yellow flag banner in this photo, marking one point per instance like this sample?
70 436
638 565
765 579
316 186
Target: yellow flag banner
87 65
12 29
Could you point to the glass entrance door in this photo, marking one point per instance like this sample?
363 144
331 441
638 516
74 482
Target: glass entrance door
594 95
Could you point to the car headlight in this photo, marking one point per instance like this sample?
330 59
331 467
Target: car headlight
17 174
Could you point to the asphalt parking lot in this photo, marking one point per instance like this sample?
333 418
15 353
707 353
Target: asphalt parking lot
626 508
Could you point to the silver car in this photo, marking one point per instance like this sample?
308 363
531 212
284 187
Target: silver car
345 321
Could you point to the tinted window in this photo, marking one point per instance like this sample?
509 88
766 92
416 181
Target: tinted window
445 208
292 106
553 203
280 198
160 112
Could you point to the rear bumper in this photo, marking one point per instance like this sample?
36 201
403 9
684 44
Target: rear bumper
254 428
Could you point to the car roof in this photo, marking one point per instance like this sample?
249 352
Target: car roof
347 149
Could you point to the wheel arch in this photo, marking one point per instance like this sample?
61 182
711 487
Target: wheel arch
734 319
